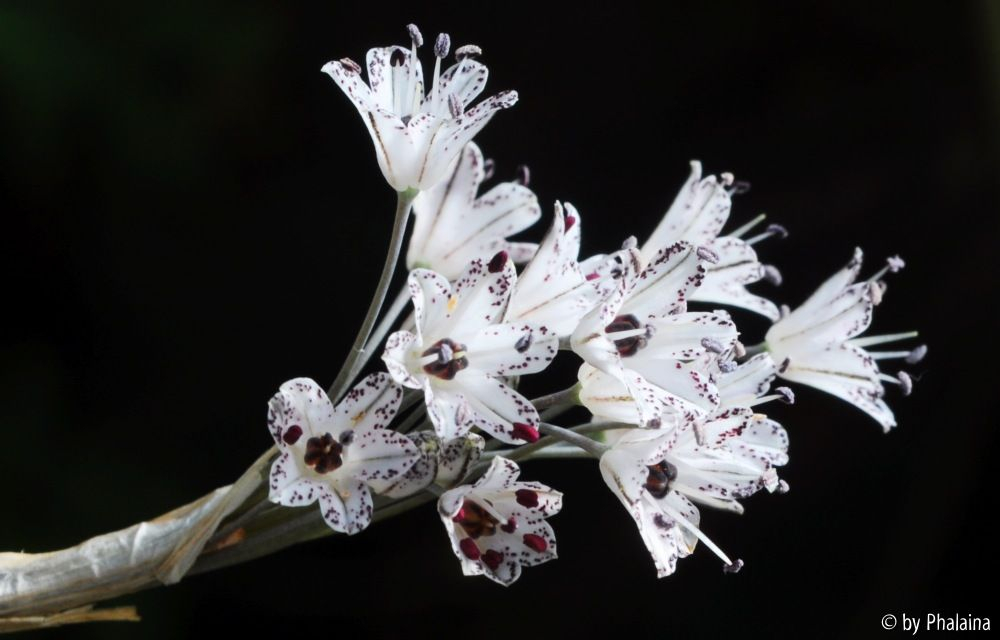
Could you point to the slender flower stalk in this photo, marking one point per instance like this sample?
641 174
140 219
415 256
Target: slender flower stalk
351 367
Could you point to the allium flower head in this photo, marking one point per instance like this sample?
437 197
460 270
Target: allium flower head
497 525
334 454
418 134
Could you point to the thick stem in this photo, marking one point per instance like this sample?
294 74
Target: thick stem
565 398
404 203
592 447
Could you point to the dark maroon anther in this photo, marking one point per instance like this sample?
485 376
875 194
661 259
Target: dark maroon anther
469 548
524 343
526 498
492 559
397 58
739 187
347 437
535 542
523 431
660 476
323 454
626 346
511 525
292 434
446 366
570 221
593 276
475 521
497 262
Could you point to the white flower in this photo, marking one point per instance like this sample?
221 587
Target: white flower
643 352
453 227
658 473
697 216
334 454
417 136
497 525
816 344
461 351
443 463
552 290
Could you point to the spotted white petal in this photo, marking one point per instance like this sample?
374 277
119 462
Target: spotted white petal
552 290
667 283
512 349
749 381
726 280
452 227
496 408
697 215
845 371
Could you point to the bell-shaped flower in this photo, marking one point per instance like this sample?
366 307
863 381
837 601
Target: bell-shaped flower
453 227
333 455
497 525
552 290
697 215
643 351
817 344
659 474
418 135
461 352
441 463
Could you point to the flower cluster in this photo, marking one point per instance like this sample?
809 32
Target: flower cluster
673 387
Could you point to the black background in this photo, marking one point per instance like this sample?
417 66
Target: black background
193 214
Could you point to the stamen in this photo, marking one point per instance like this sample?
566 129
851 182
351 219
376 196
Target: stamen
726 178
727 366
397 58
524 431
707 255
415 36
895 264
772 230
785 311
489 167
785 394
917 354
869 341
350 65
511 525
629 244
772 275
748 226
683 522
905 383
467 51
498 262
535 542
442 45
475 520
733 567
524 342
712 345
627 334
323 454
738 349
444 359
292 434
738 188
523 175
661 475
783 487
783 367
